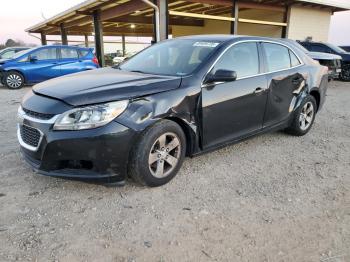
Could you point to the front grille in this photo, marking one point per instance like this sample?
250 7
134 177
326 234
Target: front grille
38 115
30 135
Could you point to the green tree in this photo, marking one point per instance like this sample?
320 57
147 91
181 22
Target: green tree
10 43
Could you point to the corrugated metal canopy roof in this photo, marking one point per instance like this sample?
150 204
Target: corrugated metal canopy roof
119 14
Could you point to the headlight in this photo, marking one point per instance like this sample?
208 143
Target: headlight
90 116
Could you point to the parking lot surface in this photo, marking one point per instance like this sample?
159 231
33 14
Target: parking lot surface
272 198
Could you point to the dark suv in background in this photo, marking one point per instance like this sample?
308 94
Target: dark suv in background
332 61
332 49
346 48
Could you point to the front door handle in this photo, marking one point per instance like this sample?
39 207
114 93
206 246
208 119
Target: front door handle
259 90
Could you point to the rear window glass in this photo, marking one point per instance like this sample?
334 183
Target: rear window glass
293 59
69 53
83 53
277 57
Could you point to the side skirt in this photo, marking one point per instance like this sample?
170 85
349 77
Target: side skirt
277 127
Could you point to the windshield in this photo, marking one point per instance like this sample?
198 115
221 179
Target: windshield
177 57
19 54
336 48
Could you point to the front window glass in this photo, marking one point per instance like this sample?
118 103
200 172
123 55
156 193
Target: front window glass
19 54
177 57
45 54
277 57
242 58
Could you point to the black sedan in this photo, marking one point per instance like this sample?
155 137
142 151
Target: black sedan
178 98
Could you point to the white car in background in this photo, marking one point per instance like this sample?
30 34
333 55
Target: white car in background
119 59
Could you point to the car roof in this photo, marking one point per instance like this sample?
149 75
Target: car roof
16 47
231 38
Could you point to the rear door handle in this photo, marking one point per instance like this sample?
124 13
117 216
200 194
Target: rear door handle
259 90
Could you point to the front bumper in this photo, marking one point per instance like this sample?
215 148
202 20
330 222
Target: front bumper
95 154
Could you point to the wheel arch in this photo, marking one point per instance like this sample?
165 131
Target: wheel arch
188 131
17 71
316 94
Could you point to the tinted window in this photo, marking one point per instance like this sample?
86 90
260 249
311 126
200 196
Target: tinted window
277 57
174 57
319 48
242 58
69 53
45 54
293 59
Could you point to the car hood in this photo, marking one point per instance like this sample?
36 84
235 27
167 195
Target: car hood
324 56
104 85
3 61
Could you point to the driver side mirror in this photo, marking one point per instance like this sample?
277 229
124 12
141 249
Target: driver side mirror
222 75
33 59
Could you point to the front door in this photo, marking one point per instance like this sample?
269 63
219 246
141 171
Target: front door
235 109
44 67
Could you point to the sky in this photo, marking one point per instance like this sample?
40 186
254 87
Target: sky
21 14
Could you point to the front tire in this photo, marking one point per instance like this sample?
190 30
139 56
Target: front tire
13 80
159 154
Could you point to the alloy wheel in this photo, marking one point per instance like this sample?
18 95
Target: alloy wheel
306 116
164 155
14 81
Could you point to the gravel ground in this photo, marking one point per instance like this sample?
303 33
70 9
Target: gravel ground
272 198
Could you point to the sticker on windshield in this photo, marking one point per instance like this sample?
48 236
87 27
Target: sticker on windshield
206 44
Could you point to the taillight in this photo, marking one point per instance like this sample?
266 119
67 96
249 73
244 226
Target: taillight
95 61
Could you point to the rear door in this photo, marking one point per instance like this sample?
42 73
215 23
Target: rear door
69 61
284 81
44 67
234 109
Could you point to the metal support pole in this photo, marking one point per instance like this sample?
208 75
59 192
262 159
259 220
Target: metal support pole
163 19
43 39
157 19
286 20
235 13
123 45
64 35
86 37
99 38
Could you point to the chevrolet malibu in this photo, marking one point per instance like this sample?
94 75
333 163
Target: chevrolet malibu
178 98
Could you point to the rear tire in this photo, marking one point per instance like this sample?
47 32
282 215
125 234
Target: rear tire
159 154
13 80
304 117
